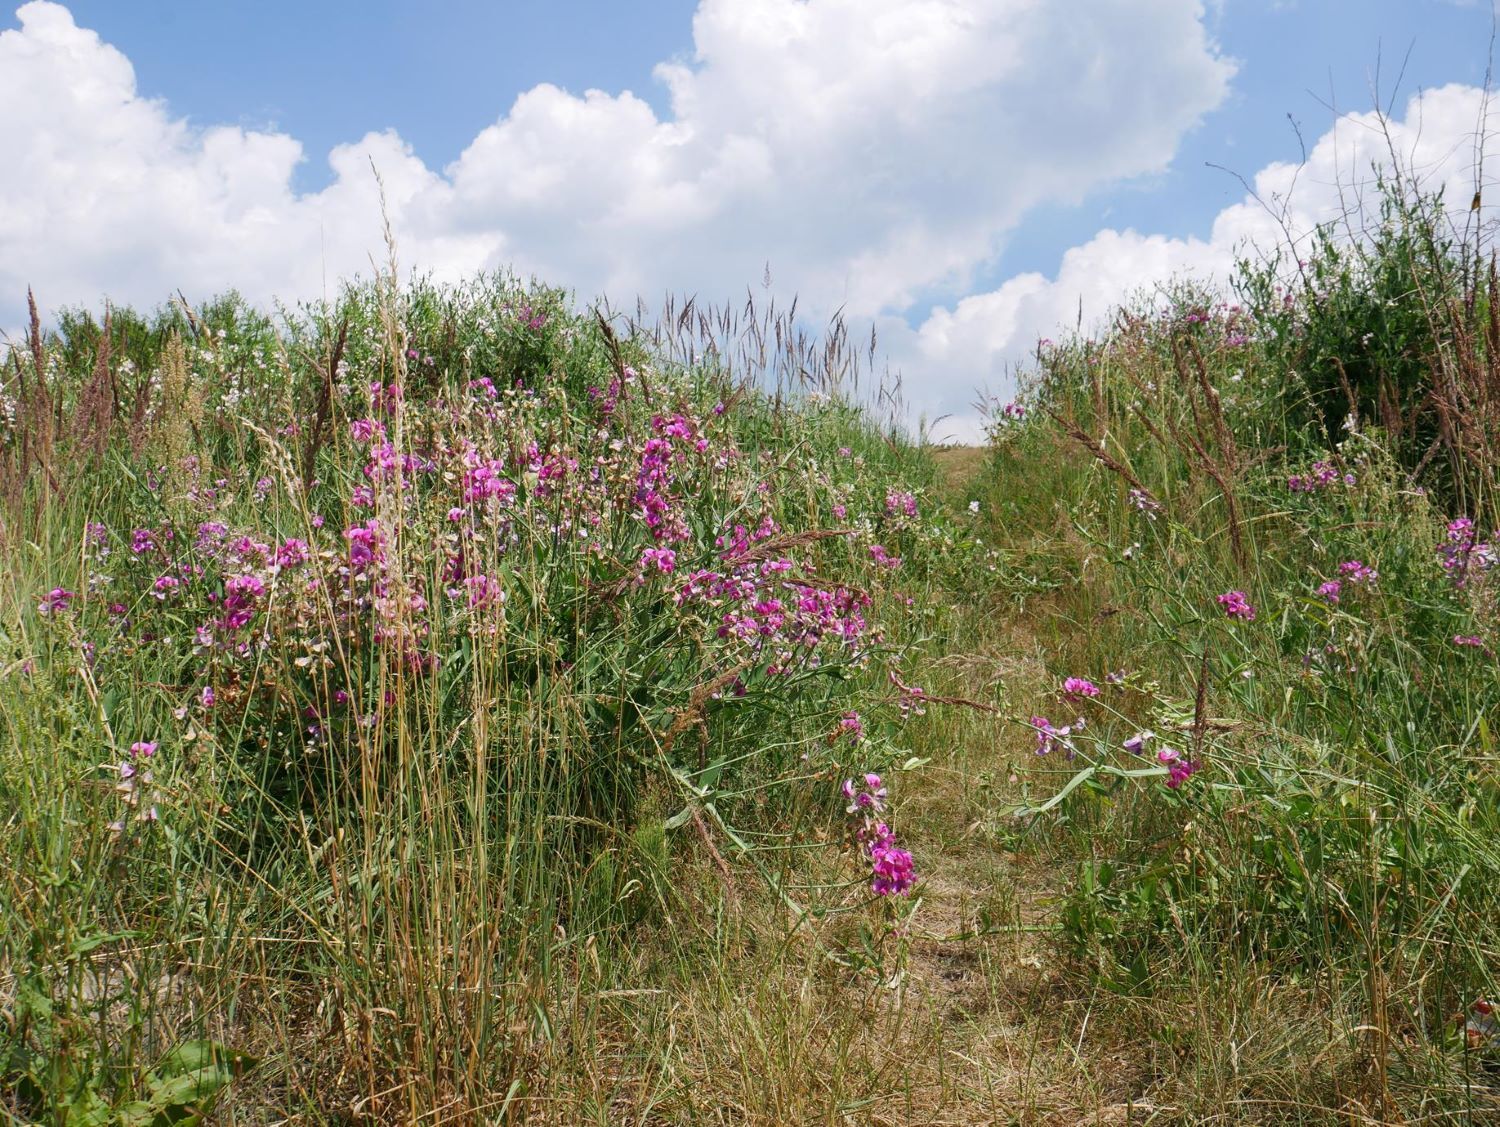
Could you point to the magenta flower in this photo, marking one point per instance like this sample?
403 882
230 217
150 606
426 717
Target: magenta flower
1235 606
869 797
852 726
892 869
55 600
663 560
1321 477
899 503
1049 736
1076 688
1330 590
1179 768
143 749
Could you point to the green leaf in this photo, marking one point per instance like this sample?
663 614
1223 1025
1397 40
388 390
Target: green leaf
188 1080
1073 784
87 1109
679 819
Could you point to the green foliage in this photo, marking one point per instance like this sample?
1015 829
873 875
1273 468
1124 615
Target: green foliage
1339 826
406 654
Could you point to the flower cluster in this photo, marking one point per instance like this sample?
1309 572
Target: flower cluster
1179 767
892 872
1320 477
1463 554
1076 688
1049 736
900 503
55 601
1352 572
1235 605
1145 503
135 783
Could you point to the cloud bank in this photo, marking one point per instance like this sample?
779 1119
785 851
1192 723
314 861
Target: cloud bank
875 154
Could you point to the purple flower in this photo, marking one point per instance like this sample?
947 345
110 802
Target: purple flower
899 503
867 798
293 552
850 725
1048 736
1179 769
1137 743
1321 477
1235 606
1330 590
55 600
892 870
1145 503
1076 688
1355 571
143 749
663 559
484 591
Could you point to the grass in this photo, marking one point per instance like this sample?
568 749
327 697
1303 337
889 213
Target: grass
433 708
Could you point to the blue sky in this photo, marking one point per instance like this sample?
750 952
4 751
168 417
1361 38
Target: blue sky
963 172
1296 61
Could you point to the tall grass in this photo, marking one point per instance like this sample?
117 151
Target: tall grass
1290 786
375 681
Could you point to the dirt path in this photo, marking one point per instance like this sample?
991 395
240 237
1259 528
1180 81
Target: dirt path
1018 1044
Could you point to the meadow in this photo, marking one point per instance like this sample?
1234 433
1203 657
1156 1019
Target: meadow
454 704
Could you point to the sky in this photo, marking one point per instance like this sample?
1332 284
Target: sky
967 175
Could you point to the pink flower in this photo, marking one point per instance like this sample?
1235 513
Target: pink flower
893 873
1048 736
898 503
871 797
1179 769
850 725
55 600
1076 688
1235 606
663 559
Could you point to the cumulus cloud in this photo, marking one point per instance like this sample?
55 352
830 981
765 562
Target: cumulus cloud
872 152
1442 141
875 153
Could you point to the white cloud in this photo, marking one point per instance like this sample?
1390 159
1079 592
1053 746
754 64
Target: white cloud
876 153
872 151
980 338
